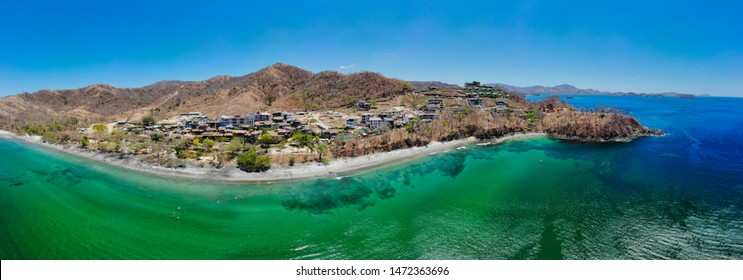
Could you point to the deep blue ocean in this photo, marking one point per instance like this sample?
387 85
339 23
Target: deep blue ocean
704 141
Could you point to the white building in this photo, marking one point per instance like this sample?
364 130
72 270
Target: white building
376 122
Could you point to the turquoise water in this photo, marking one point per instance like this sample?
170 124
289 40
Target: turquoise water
673 197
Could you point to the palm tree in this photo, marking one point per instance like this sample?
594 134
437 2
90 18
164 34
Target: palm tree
321 149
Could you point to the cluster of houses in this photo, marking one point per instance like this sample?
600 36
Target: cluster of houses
474 93
250 126
281 125
476 89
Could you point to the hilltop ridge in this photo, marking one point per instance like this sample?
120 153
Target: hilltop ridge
277 87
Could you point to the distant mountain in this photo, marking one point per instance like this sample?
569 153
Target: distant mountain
421 85
569 89
277 87
563 89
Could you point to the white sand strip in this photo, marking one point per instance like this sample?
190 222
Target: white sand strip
231 173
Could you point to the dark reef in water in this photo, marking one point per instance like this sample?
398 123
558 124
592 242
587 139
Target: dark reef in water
322 196
325 195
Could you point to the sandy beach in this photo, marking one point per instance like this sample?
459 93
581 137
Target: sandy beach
230 173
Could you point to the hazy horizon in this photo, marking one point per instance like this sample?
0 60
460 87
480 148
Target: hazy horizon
628 46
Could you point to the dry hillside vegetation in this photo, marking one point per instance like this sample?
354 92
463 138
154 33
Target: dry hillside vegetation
56 115
277 87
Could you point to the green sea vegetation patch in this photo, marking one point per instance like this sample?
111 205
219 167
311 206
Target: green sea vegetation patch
323 196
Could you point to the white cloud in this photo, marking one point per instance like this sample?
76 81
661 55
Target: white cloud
346 66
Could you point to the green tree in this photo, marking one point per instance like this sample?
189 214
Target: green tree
235 146
265 140
321 149
209 143
250 161
406 87
50 137
148 121
303 139
99 129
84 142
33 129
156 137
54 127
532 117
181 151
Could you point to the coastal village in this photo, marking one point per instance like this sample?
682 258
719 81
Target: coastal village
298 136
284 115
363 120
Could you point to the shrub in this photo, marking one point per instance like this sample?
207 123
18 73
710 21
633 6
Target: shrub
406 87
209 142
235 146
33 129
99 127
148 121
265 140
100 130
303 139
156 137
55 127
84 142
50 137
181 151
532 117
63 137
250 161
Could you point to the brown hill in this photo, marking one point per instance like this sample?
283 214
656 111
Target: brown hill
277 87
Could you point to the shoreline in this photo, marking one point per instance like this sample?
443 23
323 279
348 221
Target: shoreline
305 171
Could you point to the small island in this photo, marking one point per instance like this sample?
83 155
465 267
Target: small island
285 123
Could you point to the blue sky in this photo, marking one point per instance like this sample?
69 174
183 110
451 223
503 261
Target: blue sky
642 46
